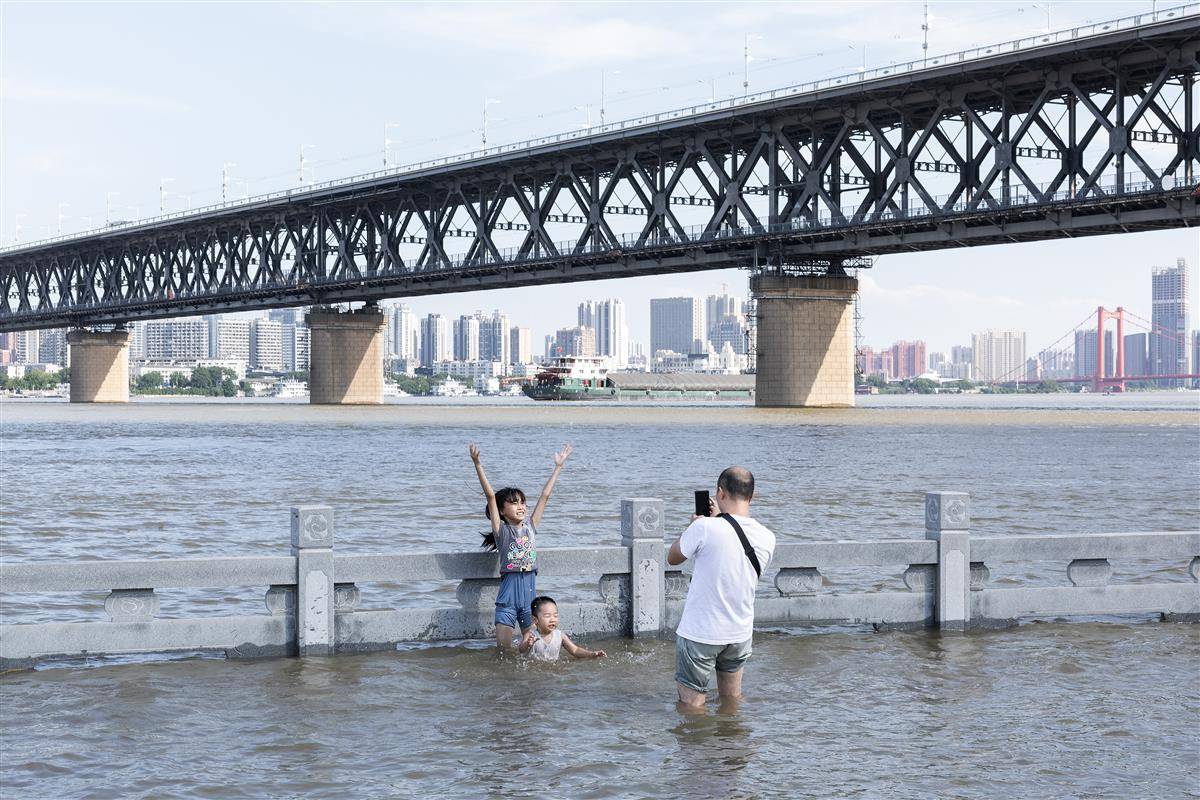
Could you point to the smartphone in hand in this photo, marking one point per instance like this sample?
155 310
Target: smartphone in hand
702 504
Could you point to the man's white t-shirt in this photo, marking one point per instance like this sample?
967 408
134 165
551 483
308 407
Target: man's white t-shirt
720 602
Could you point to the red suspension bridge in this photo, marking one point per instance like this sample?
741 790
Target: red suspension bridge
1167 351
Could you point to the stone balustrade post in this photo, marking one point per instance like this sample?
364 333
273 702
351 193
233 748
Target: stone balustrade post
642 533
948 522
312 545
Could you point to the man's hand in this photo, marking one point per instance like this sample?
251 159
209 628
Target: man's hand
560 458
473 449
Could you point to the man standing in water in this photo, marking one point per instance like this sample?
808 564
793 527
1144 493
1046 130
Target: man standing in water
730 550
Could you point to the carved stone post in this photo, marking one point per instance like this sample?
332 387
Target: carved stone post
312 545
948 521
642 533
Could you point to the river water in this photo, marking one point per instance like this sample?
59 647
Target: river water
1105 708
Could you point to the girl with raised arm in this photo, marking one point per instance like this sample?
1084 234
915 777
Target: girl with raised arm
513 536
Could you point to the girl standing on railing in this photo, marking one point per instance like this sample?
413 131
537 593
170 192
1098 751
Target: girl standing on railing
513 535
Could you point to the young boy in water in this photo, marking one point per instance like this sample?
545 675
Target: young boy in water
544 641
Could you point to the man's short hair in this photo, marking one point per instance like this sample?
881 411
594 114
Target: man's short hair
737 482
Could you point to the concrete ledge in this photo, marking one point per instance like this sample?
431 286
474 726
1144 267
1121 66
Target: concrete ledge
364 631
166 573
855 554
1068 547
22 643
395 568
1049 601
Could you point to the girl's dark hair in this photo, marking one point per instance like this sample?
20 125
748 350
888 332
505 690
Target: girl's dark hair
538 602
506 495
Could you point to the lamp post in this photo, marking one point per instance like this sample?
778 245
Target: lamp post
587 108
604 95
748 58
862 49
61 216
1045 7
712 88
225 179
17 227
386 141
108 196
486 104
304 161
162 194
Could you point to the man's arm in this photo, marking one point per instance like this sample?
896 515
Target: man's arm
493 511
580 652
675 555
559 459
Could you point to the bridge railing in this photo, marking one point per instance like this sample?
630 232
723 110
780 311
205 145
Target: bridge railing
312 596
862 76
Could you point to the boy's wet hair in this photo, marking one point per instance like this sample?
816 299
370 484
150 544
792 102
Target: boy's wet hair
538 602
508 494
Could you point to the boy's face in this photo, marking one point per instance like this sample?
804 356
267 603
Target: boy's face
514 511
547 618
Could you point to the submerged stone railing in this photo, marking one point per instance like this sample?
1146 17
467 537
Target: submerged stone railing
312 595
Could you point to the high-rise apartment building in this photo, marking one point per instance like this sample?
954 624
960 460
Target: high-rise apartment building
520 346
176 339
295 347
53 347
908 359
731 330
577 341
266 345
1196 357
1057 364
1137 354
607 319
494 341
287 316
998 355
228 338
716 308
466 338
1085 354
677 324
1169 312
403 335
961 354
436 344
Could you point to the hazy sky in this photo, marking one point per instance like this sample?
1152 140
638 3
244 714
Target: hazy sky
107 97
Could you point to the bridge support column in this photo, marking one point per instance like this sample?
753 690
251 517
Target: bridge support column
805 340
346 356
99 366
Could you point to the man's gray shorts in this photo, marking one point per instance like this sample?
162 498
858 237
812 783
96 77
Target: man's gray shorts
695 661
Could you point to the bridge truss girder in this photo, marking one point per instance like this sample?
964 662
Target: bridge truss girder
1104 142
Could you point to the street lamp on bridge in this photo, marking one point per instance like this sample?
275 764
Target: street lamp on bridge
304 161
748 58
108 196
225 179
386 141
61 216
17 227
162 194
486 103
604 95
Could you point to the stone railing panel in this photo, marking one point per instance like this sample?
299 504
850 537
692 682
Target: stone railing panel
1069 547
166 573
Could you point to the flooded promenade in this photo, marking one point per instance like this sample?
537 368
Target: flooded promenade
1102 708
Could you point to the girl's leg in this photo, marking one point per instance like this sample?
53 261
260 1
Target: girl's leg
504 637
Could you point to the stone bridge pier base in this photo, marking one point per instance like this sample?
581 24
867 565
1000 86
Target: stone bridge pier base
346 356
805 346
99 366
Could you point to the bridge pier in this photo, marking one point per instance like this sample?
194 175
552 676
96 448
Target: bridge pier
99 366
346 356
805 340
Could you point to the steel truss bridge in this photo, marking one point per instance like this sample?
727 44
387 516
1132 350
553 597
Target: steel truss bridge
1080 132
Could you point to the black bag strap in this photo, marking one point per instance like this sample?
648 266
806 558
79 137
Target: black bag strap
750 554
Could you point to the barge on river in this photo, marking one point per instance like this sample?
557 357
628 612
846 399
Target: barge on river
583 378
